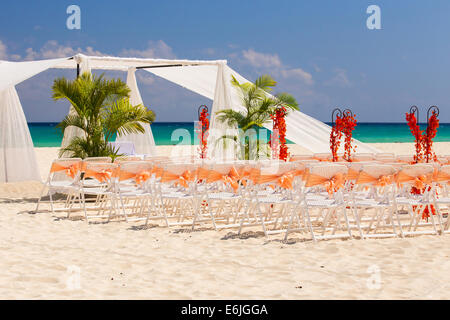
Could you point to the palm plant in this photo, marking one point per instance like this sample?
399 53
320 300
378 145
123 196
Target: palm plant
259 106
102 110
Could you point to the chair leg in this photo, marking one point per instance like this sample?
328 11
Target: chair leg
311 230
40 198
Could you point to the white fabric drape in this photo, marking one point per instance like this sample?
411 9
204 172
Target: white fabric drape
219 148
17 156
71 131
144 143
12 73
304 130
301 129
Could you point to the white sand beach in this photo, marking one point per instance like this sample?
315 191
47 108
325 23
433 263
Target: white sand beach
43 253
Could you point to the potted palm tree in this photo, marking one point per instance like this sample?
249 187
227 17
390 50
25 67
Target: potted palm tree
102 111
259 106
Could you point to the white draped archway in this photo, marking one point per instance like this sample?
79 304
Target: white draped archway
210 79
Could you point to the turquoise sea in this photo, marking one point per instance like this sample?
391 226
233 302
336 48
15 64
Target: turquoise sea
45 134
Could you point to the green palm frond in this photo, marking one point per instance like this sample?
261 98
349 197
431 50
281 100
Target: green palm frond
73 120
265 82
124 118
259 106
102 109
287 100
231 117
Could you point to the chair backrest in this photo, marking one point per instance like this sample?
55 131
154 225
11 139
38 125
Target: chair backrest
385 157
147 157
354 169
276 174
443 160
409 174
64 169
405 159
363 157
102 172
137 171
179 174
127 158
376 174
98 159
301 157
321 174
95 159
323 156
308 162
442 174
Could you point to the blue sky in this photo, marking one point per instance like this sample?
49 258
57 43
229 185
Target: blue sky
320 51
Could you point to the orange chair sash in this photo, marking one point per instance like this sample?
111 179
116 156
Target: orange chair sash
182 179
440 176
70 171
419 182
331 184
284 180
101 176
382 181
352 174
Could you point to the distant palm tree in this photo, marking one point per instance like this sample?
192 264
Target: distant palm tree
259 107
102 110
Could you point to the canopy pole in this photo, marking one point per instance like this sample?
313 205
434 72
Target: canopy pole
78 70
166 66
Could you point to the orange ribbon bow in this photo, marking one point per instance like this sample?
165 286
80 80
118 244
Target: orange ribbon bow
331 184
70 171
181 179
101 176
142 176
286 180
381 181
418 182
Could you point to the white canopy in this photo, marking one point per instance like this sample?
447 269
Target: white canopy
210 79
143 143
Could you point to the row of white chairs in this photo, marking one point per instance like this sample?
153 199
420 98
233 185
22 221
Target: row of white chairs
314 199
382 157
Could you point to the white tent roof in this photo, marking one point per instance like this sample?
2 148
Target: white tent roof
118 63
12 73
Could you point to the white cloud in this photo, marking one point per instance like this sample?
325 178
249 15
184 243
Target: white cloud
340 78
4 55
272 64
52 49
298 73
155 49
258 59
3 51
147 78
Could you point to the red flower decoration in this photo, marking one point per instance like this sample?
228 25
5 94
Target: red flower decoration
202 130
430 134
349 126
343 126
417 133
278 146
424 150
335 137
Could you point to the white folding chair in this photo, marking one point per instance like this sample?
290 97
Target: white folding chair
410 178
329 177
64 177
106 203
380 180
